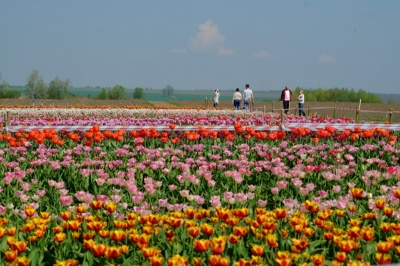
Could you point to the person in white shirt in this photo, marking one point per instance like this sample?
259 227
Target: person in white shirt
216 98
301 103
248 98
286 97
237 99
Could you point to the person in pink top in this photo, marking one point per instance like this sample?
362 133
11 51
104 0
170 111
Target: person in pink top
286 98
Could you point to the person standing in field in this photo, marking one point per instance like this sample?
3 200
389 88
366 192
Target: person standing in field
301 103
286 97
248 98
216 98
237 99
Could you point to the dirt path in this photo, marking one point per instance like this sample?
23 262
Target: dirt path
160 103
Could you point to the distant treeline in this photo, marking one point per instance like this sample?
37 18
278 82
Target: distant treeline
338 95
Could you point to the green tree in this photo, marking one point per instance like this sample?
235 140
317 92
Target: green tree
138 93
168 91
36 88
58 88
4 88
103 94
117 92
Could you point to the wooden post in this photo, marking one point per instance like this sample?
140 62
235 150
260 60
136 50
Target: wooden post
8 123
272 106
7 120
358 112
309 109
282 120
334 111
205 102
264 109
390 115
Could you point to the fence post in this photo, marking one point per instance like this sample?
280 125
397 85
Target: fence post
272 106
205 102
390 115
264 109
309 109
282 120
8 123
334 111
358 112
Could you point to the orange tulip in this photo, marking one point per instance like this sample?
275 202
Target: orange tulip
207 229
318 259
257 250
384 246
218 244
396 192
65 215
272 240
156 261
89 243
301 243
356 192
346 245
44 215
80 209
99 250
11 255
73 225
341 256
201 245
21 261
380 203
60 237
112 252
150 252
218 260
117 235
388 211
280 213
194 231
283 258
29 210
308 232
240 231
383 258
178 260
110 206
367 233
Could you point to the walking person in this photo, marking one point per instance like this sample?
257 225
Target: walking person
216 98
248 98
286 97
237 99
301 103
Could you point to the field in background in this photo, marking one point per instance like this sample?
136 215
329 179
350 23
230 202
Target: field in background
369 111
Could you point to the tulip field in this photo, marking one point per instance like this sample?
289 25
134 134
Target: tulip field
148 186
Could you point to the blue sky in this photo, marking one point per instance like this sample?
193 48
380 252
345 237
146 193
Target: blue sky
204 44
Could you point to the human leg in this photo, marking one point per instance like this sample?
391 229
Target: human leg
286 106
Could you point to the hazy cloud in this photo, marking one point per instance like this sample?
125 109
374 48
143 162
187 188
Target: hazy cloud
225 51
326 59
179 51
210 36
261 54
